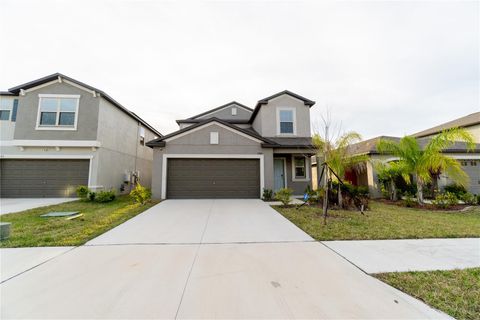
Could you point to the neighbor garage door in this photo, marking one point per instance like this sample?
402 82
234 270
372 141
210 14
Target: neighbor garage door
213 178
42 178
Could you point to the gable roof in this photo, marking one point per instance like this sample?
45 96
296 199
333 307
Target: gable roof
263 101
220 108
369 147
467 121
160 142
32 84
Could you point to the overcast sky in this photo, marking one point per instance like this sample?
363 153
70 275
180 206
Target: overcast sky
381 68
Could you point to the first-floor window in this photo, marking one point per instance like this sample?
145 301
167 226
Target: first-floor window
58 111
299 163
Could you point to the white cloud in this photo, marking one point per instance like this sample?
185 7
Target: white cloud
382 67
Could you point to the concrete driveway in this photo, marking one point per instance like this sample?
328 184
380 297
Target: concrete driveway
10 205
205 221
200 259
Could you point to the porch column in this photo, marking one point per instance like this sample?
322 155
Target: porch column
268 168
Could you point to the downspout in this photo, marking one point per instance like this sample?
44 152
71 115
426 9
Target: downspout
136 153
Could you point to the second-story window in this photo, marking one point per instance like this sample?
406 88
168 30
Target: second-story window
141 133
58 112
286 121
6 105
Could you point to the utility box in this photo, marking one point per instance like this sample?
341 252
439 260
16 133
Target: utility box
4 230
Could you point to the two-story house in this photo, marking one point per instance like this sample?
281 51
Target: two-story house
58 133
236 152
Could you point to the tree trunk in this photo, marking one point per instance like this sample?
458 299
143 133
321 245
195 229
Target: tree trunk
394 190
340 199
435 178
325 198
419 191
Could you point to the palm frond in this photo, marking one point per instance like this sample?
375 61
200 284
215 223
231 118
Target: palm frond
447 138
347 139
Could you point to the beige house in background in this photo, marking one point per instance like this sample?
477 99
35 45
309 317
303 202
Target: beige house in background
471 123
470 160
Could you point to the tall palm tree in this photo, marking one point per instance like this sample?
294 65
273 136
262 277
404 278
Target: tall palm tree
336 156
420 162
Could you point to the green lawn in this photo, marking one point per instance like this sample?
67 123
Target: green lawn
30 230
455 292
384 221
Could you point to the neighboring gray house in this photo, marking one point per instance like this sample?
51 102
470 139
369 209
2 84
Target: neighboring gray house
58 133
469 159
235 152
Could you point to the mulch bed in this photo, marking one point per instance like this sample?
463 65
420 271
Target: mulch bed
426 206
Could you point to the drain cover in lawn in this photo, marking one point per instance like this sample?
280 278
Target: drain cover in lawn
60 214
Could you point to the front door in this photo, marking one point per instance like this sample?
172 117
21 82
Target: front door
279 173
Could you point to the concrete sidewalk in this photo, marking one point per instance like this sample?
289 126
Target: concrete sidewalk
375 256
11 205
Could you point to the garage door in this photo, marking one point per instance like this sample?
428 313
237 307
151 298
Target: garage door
213 178
42 178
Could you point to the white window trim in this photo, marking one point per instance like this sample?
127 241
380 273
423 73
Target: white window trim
234 111
294 113
56 127
211 156
10 108
9 115
214 137
284 171
307 172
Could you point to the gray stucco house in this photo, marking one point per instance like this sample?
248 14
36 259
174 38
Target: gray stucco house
469 159
58 133
233 151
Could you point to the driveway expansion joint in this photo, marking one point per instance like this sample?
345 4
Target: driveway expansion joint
194 259
37 265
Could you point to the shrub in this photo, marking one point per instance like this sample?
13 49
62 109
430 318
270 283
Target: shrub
284 195
91 195
408 201
469 198
445 200
456 189
320 194
141 194
267 194
82 192
478 199
105 196
312 195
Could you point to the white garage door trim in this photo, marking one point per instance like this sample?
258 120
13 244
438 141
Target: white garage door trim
53 157
210 156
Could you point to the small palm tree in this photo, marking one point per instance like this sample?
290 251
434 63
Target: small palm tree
336 156
421 162
389 172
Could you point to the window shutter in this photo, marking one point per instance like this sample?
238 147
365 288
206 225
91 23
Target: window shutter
14 110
